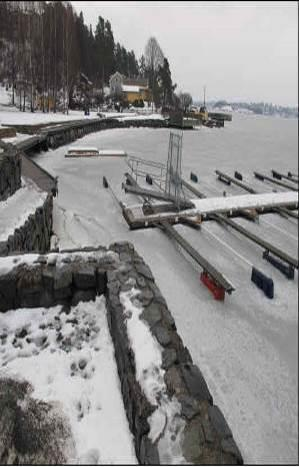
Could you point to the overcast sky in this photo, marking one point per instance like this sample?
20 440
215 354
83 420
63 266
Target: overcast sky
239 50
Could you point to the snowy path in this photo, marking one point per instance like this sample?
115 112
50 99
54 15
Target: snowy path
246 347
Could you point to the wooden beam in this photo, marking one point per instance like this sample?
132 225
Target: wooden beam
273 180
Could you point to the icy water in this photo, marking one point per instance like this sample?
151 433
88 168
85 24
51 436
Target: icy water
246 347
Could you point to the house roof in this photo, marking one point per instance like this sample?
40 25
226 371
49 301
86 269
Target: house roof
127 88
141 82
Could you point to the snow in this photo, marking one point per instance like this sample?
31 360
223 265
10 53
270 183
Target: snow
128 88
5 96
153 116
248 201
112 152
16 209
246 347
12 116
77 370
17 139
8 263
166 425
82 148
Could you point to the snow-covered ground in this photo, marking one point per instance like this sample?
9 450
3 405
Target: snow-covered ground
12 116
16 139
69 360
246 347
16 209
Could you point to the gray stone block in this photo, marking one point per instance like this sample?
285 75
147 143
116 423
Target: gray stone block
62 278
101 281
169 358
195 382
144 271
151 314
161 334
85 277
190 406
83 296
148 452
219 423
193 440
229 446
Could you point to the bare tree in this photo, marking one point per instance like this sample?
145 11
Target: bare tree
185 100
153 60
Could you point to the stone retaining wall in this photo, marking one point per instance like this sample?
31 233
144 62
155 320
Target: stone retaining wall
34 235
70 132
7 132
73 277
10 172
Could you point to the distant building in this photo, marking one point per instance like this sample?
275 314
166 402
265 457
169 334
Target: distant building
130 89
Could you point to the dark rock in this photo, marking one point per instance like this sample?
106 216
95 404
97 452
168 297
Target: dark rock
151 314
190 406
85 277
162 335
22 333
82 363
193 440
148 452
101 279
208 431
229 446
219 423
83 296
174 381
144 270
48 278
63 278
195 382
145 297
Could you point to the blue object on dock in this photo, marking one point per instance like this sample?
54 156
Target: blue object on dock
263 282
149 179
286 269
193 177
238 176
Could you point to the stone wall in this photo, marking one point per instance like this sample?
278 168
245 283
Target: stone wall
10 172
34 235
68 278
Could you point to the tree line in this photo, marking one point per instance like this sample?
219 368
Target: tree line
44 46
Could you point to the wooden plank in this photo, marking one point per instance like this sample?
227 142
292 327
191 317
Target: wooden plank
260 241
255 238
279 175
236 182
273 180
135 189
207 267
199 259
281 210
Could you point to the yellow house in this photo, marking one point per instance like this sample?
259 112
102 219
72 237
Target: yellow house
133 93
131 89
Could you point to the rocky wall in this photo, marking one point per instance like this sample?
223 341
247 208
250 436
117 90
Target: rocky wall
68 278
34 235
10 172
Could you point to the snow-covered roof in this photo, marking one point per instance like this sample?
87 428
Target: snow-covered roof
127 88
